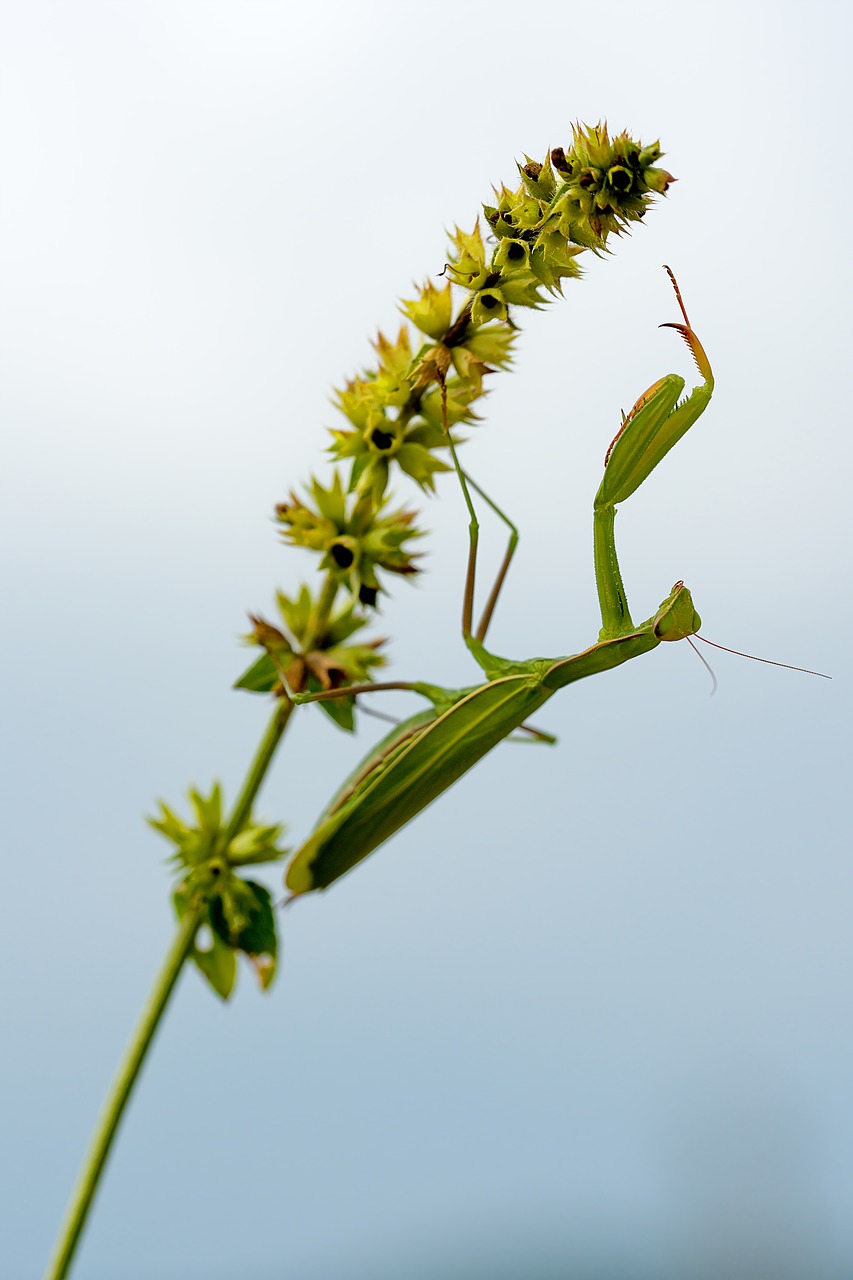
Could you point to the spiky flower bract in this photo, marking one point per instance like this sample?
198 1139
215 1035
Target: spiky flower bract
237 911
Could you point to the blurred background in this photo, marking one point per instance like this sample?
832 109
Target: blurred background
591 1014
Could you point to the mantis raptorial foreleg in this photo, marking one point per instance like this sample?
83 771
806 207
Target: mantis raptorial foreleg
656 423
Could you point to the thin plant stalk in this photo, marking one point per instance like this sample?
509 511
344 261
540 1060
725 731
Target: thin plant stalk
152 1013
128 1073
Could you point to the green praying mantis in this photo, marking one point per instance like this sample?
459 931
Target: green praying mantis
425 754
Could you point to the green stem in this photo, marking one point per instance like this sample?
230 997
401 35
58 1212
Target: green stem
258 768
155 1007
320 619
87 1183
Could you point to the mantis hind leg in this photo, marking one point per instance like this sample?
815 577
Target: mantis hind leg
355 690
473 522
535 735
486 616
468 483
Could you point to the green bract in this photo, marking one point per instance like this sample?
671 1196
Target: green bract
238 912
308 659
352 534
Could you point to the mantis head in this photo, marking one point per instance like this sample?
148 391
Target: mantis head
677 619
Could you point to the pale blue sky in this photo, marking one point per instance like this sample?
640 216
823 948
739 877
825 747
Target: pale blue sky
595 1008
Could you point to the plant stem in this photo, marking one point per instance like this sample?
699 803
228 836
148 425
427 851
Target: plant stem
155 1007
320 620
258 768
87 1183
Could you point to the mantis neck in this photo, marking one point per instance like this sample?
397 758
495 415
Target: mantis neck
608 653
495 668
615 614
550 674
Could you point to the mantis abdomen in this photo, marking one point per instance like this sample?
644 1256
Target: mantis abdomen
398 784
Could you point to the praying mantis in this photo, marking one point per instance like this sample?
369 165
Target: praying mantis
425 754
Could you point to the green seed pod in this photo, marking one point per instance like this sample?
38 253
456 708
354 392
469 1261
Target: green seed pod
342 554
513 254
488 305
658 180
620 179
649 155
383 436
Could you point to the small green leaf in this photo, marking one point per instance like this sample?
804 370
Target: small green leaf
218 964
242 919
296 613
493 344
181 899
260 936
208 811
361 463
521 289
331 502
261 677
419 463
168 824
256 844
341 712
343 625
431 310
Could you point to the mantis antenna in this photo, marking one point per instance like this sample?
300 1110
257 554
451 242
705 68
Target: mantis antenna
706 665
787 665
379 715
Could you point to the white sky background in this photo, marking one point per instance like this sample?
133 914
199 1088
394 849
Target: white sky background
595 1005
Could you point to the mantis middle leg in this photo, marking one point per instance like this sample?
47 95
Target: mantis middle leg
467 483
